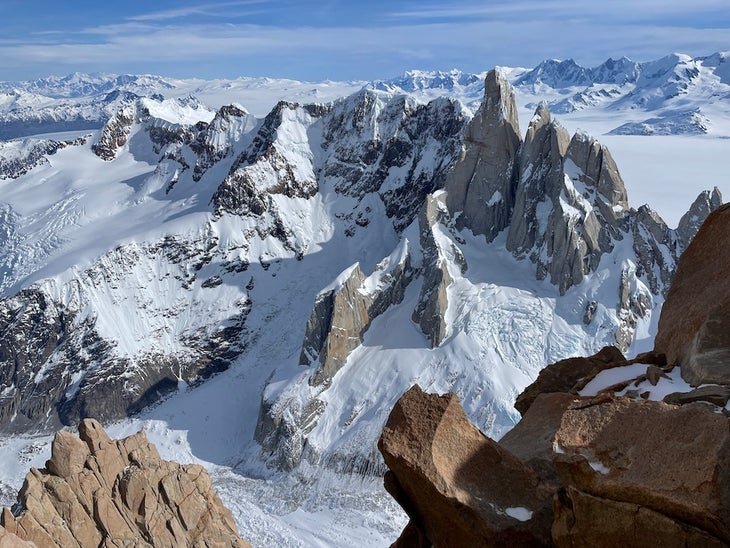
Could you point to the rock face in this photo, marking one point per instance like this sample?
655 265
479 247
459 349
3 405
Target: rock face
690 223
105 385
576 471
115 133
482 183
599 174
342 314
430 312
610 450
694 326
570 202
98 492
561 200
438 462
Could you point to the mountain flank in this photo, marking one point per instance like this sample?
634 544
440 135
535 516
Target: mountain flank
609 452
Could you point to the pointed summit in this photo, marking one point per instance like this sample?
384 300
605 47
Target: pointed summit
481 185
598 171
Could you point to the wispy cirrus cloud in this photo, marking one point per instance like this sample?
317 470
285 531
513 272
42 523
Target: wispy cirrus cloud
556 10
214 9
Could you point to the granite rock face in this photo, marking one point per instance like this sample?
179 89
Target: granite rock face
482 183
599 173
612 450
570 202
438 472
430 312
98 492
694 326
576 471
690 223
342 314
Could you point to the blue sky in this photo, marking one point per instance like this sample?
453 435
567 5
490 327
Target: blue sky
343 39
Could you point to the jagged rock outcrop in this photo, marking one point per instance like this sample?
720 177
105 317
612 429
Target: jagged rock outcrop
576 471
562 376
335 328
98 492
562 201
598 172
215 141
372 137
635 302
268 170
482 184
570 202
690 223
430 312
654 243
439 472
115 133
611 450
540 182
694 326
343 313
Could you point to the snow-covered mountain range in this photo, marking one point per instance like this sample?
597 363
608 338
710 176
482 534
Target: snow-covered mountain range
258 290
657 97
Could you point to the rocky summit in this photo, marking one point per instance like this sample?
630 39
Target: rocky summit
95 491
608 452
555 202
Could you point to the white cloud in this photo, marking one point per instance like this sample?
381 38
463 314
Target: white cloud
556 10
201 9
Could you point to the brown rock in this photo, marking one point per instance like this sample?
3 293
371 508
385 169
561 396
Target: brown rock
654 373
481 184
564 375
11 540
585 520
694 326
672 460
411 537
715 394
531 440
94 435
459 487
99 492
68 455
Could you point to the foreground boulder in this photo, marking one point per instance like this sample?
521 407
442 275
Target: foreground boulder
98 492
459 487
576 471
621 455
694 326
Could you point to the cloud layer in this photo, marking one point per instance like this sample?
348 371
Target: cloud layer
337 41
